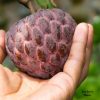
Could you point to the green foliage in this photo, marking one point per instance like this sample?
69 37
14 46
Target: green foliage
96 25
94 69
45 3
91 86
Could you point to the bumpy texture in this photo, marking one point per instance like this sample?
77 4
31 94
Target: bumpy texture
40 44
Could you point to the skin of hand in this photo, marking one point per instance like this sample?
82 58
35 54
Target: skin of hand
62 86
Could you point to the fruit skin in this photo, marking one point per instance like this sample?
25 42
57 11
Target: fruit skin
40 44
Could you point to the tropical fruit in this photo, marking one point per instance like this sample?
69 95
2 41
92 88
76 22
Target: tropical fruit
39 44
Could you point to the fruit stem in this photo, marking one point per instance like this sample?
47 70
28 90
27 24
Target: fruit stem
28 4
53 2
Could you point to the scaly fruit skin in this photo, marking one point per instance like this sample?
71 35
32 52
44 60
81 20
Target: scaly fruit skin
40 44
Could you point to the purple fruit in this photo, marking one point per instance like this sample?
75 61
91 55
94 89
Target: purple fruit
40 44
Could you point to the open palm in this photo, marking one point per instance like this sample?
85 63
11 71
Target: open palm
62 86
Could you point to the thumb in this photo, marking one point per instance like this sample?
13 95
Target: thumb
2 46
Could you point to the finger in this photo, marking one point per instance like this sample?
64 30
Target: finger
9 81
2 46
74 65
66 81
2 38
88 53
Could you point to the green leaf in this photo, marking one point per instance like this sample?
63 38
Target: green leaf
96 26
45 4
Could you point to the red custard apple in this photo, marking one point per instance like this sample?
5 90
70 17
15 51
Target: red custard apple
39 44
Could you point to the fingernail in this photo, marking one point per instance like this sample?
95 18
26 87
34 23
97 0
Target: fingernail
83 26
81 31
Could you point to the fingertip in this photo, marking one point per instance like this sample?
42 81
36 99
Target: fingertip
90 26
81 32
82 26
91 30
90 36
2 38
2 32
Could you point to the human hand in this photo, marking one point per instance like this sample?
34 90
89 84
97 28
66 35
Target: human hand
62 86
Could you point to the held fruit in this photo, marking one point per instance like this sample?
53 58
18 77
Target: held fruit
40 44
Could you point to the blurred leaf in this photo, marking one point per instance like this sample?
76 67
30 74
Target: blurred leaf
94 69
91 84
45 3
96 25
